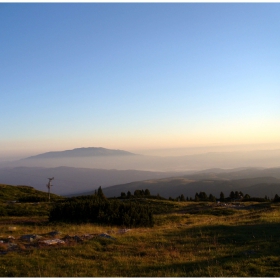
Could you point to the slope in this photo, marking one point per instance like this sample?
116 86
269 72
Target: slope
14 193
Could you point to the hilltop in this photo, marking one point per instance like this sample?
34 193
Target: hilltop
16 193
81 152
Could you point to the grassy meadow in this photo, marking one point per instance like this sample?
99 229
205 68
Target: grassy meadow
189 239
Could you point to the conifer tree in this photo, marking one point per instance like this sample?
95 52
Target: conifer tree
147 192
232 195
137 192
212 197
100 193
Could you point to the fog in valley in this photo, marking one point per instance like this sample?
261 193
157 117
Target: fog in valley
195 162
85 169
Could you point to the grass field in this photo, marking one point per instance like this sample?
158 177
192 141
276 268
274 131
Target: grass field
188 240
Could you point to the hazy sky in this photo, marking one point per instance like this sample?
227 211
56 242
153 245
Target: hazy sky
138 76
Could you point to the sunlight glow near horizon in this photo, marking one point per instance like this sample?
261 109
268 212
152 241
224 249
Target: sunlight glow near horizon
138 76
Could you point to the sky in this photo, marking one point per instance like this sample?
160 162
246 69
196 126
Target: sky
138 76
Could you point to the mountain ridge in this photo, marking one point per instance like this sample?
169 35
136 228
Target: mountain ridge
81 152
173 187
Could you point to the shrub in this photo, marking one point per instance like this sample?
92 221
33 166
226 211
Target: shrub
98 210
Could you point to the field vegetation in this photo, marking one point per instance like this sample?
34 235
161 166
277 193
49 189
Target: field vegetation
187 239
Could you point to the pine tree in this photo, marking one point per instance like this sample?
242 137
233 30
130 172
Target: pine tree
137 192
128 194
212 197
203 196
100 193
147 192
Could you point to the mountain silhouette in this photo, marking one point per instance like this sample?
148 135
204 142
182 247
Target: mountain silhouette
81 152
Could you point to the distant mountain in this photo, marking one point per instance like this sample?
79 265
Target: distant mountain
81 152
235 174
101 158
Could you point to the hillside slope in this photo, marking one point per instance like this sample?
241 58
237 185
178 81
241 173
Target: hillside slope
14 193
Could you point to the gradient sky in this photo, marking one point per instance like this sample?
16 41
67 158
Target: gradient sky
138 76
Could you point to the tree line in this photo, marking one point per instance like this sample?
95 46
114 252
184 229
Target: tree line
139 194
201 196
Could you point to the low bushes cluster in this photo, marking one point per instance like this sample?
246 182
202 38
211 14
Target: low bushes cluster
100 210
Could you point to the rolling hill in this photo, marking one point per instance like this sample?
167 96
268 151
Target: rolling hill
74 181
255 182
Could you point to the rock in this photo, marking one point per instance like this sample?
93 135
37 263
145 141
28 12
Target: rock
106 236
54 233
52 241
30 237
78 238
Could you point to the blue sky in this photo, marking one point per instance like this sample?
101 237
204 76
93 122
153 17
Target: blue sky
138 76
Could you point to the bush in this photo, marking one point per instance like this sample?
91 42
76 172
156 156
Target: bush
99 210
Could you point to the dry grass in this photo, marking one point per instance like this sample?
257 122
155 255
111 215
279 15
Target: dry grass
243 244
